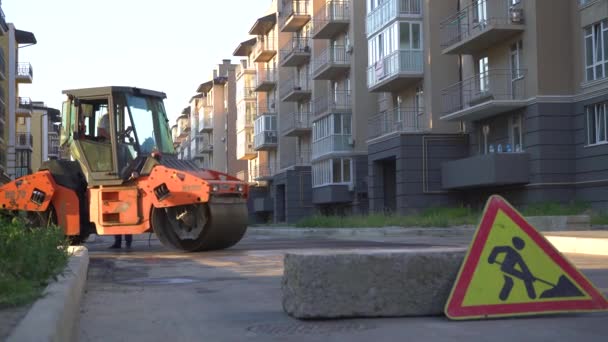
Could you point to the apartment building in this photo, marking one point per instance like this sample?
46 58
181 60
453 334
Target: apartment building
15 110
407 69
43 139
205 132
341 106
532 95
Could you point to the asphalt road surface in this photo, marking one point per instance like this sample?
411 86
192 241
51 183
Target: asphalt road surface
152 294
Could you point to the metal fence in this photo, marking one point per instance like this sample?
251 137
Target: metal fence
494 84
399 62
25 70
478 17
395 120
339 102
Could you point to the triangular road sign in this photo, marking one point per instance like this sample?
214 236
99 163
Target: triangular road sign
512 270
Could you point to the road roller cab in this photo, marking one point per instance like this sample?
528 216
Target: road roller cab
126 178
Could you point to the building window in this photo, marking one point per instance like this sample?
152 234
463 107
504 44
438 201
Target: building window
484 81
596 123
596 50
515 132
336 171
516 60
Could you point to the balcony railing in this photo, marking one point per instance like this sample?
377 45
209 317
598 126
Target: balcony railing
333 12
25 70
264 49
25 103
335 56
295 14
262 171
2 95
205 123
300 158
478 17
295 90
390 10
245 120
395 120
406 63
297 121
249 93
24 140
266 79
2 63
338 102
334 143
492 85
296 51
4 27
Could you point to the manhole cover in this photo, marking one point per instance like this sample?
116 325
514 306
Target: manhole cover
308 328
159 281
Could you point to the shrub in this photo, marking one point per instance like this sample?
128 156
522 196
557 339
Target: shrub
29 259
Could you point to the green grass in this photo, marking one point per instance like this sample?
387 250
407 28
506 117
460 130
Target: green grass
443 217
435 217
599 218
555 209
29 259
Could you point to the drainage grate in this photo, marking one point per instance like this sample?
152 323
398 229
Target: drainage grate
305 328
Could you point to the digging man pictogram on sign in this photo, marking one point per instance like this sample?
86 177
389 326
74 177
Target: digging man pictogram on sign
514 266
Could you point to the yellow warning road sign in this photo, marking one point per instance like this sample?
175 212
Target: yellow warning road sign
511 269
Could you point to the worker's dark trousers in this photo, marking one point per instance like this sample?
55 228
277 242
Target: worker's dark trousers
118 240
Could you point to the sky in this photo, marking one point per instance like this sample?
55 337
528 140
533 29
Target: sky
170 46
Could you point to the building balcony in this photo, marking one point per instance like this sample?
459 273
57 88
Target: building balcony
297 124
338 102
205 124
245 71
391 10
334 143
396 120
295 90
331 19
484 95
264 50
265 135
248 94
2 94
262 172
205 148
495 169
296 52
266 80
3 25
332 63
300 158
24 141
398 70
2 65
245 151
481 25
24 107
25 73
294 15
244 119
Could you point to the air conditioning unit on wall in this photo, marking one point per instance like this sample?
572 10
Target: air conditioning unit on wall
517 15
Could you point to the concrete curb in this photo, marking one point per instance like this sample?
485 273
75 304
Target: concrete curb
55 316
363 232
